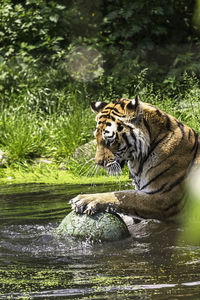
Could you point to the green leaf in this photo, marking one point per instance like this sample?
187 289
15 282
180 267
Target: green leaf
60 7
54 18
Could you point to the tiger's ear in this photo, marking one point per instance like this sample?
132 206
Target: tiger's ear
97 107
133 104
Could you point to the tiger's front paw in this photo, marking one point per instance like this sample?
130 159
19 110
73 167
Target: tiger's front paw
84 204
92 203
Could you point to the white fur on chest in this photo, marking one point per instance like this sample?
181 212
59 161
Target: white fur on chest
142 178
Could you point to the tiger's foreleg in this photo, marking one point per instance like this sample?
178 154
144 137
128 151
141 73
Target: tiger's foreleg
131 202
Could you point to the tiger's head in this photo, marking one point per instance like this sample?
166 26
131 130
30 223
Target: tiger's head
119 133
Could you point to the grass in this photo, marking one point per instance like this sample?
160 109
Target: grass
51 174
28 132
25 133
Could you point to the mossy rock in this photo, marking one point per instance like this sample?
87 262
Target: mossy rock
97 228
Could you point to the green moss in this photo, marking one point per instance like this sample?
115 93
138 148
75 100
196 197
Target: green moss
99 227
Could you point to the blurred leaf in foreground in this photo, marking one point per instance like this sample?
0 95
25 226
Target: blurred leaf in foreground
192 221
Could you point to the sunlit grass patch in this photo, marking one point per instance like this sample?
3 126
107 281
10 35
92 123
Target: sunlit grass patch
51 174
23 135
26 134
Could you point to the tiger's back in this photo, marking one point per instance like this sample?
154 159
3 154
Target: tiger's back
160 151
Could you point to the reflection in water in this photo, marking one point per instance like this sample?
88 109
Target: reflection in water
34 263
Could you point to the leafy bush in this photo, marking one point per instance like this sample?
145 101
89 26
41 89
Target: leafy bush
156 36
35 28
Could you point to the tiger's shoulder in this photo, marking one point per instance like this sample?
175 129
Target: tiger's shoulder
171 130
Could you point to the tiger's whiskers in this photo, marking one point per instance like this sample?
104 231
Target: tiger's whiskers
83 164
114 169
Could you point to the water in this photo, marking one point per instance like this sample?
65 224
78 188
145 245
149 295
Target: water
154 263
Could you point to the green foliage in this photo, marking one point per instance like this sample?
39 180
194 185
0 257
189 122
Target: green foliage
58 56
34 28
155 32
37 38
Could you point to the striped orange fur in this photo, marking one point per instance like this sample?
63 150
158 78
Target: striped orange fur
160 152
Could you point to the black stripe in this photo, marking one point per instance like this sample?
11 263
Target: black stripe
126 139
115 109
181 126
147 126
140 146
104 116
174 213
132 153
119 127
156 177
174 204
189 134
108 124
196 140
157 191
107 107
182 200
181 178
111 108
174 184
122 164
168 123
117 114
122 149
195 147
160 162
153 146
122 104
133 135
158 112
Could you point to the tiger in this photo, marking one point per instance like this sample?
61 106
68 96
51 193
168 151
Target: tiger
159 150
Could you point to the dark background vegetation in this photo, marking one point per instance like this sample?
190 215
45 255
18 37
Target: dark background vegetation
58 56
